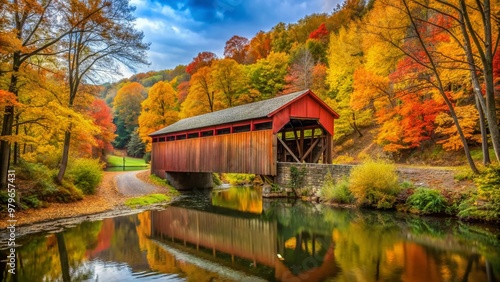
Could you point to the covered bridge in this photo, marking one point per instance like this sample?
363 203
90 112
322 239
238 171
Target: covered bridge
250 138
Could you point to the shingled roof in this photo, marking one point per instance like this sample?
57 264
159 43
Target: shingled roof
239 113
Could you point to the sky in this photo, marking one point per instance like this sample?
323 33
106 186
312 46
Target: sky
179 30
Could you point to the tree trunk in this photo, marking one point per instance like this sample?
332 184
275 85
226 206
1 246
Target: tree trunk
65 156
484 134
63 257
486 55
8 120
16 144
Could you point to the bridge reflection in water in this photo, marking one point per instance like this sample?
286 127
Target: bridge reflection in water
246 238
247 242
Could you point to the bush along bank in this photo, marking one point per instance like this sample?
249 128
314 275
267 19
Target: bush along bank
36 183
375 184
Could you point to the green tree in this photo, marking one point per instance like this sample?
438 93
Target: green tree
135 147
127 108
268 74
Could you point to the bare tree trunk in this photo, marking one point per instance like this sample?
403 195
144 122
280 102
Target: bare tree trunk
65 156
484 134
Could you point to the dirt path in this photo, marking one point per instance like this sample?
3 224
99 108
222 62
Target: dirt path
435 177
128 184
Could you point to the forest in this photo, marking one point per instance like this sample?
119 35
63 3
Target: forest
415 72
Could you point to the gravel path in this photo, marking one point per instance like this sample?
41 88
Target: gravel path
128 184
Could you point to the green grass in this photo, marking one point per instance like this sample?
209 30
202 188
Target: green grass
477 154
118 161
163 182
147 200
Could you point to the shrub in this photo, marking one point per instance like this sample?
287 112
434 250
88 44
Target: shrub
342 159
86 174
485 204
336 192
216 179
31 201
147 157
427 201
374 184
297 177
238 178
464 173
67 193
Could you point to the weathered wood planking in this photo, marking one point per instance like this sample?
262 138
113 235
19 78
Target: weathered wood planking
246 152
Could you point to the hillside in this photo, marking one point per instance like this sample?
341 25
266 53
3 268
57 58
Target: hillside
353 149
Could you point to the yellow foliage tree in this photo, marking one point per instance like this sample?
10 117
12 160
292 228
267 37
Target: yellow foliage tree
157 111
201 98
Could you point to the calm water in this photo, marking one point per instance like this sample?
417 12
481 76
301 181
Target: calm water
233 235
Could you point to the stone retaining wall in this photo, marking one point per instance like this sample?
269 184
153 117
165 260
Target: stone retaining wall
314 174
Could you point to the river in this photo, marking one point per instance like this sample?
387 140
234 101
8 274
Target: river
235 235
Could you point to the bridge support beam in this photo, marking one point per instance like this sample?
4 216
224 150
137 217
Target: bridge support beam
190 180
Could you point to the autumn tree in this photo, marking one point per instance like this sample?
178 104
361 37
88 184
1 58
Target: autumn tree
267 75
479 41
203 59
423 55
345 55
102 117
127 108
229 81
100 43
280 39
321 33
32 30
259 47
202 97
299 75
236 48
157 111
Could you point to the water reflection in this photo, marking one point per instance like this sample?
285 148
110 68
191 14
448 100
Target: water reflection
245 199
285 241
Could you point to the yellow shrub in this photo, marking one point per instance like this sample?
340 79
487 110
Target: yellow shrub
342 159
375 184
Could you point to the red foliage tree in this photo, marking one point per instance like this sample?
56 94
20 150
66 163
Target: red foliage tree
203 59
321 33
103 118
236 48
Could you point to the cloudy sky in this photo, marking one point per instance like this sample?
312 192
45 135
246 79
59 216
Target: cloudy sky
179 30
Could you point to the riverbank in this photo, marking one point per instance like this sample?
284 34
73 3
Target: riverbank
106 202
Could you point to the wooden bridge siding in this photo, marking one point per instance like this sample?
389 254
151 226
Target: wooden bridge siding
305 107
251 239
246 152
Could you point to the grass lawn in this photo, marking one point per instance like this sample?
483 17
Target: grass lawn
118 161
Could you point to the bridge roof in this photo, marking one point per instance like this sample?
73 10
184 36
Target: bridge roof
260 109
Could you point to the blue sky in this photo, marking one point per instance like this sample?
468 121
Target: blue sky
179 30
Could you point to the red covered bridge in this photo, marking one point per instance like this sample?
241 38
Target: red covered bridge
250 138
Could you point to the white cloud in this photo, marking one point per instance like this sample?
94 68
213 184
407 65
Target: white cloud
147 24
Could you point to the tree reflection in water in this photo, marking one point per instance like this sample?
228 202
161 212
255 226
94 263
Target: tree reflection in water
237 234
